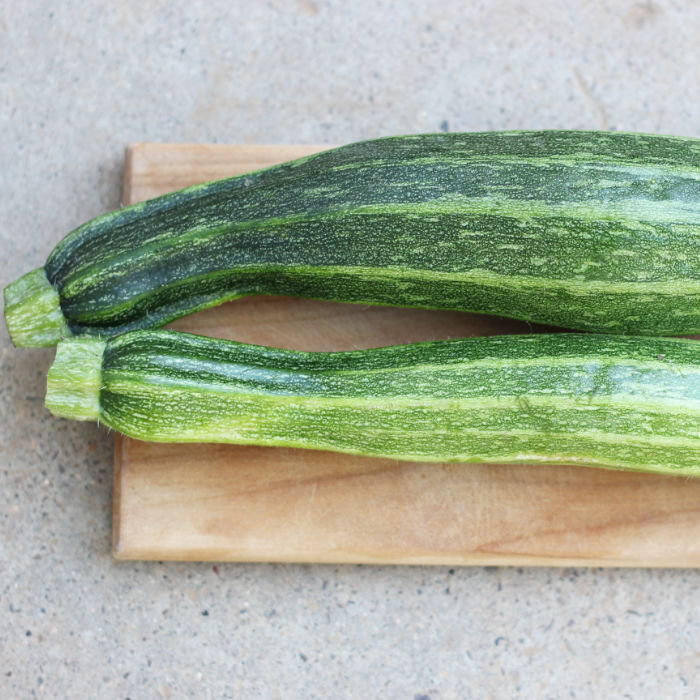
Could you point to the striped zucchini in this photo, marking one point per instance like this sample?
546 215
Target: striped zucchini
584 399
586 230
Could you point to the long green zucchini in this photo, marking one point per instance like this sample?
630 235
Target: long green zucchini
586 230
584 399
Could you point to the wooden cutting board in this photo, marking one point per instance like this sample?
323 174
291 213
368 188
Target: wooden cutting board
219 502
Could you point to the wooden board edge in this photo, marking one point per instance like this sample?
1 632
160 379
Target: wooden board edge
353 559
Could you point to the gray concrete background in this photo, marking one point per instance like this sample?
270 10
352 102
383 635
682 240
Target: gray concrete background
77 84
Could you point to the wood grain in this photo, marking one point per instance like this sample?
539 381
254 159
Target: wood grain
229 503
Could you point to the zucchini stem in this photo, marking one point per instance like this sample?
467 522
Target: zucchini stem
33 311
75 379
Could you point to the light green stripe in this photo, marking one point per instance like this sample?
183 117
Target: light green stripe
633 210
139 383
560 360
224 429
585 159
542 360
593 435
487 278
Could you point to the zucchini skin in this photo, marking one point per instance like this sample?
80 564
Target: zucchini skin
594 400
595 231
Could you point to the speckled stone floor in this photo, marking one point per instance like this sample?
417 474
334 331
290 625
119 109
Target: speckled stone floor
78 82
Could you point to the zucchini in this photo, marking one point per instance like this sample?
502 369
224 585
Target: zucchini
584 399
592 231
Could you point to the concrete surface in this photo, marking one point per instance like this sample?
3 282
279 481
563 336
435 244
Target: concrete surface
78 83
